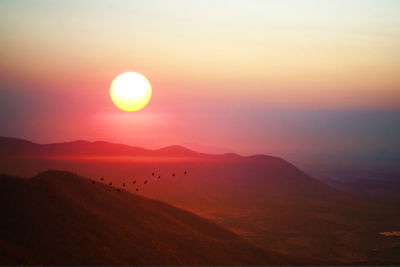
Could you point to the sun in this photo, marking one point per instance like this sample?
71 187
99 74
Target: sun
130 91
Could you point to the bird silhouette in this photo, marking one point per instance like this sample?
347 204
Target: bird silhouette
123 184
159 176
145 182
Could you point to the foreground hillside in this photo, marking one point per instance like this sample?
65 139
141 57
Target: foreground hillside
58 218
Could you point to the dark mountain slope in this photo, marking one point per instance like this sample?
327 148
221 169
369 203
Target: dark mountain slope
266 200
58 218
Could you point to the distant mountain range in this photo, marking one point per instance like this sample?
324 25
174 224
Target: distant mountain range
270 171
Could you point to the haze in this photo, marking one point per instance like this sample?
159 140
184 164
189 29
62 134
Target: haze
305 80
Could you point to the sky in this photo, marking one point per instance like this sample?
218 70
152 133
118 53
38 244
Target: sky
306 80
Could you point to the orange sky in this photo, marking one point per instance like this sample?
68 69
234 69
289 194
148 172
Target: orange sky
226 75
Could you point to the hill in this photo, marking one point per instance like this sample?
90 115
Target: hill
264 199
58 218
266 172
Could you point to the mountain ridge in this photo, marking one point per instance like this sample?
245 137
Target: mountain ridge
264 199
60 218
170 149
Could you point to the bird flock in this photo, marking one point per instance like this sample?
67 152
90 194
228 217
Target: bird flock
134 182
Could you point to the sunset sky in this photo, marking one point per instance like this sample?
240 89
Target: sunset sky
298 79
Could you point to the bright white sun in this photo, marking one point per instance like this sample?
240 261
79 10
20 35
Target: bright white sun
130 91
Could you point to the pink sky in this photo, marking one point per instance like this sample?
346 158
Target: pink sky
290 78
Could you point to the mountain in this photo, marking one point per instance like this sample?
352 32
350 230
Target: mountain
175 151
260 168
264 199
18 147
59 218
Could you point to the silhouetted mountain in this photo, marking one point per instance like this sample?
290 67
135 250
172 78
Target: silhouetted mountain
59 218
176 151
264 199
16 147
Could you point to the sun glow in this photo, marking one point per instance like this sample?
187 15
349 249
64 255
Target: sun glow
130 91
